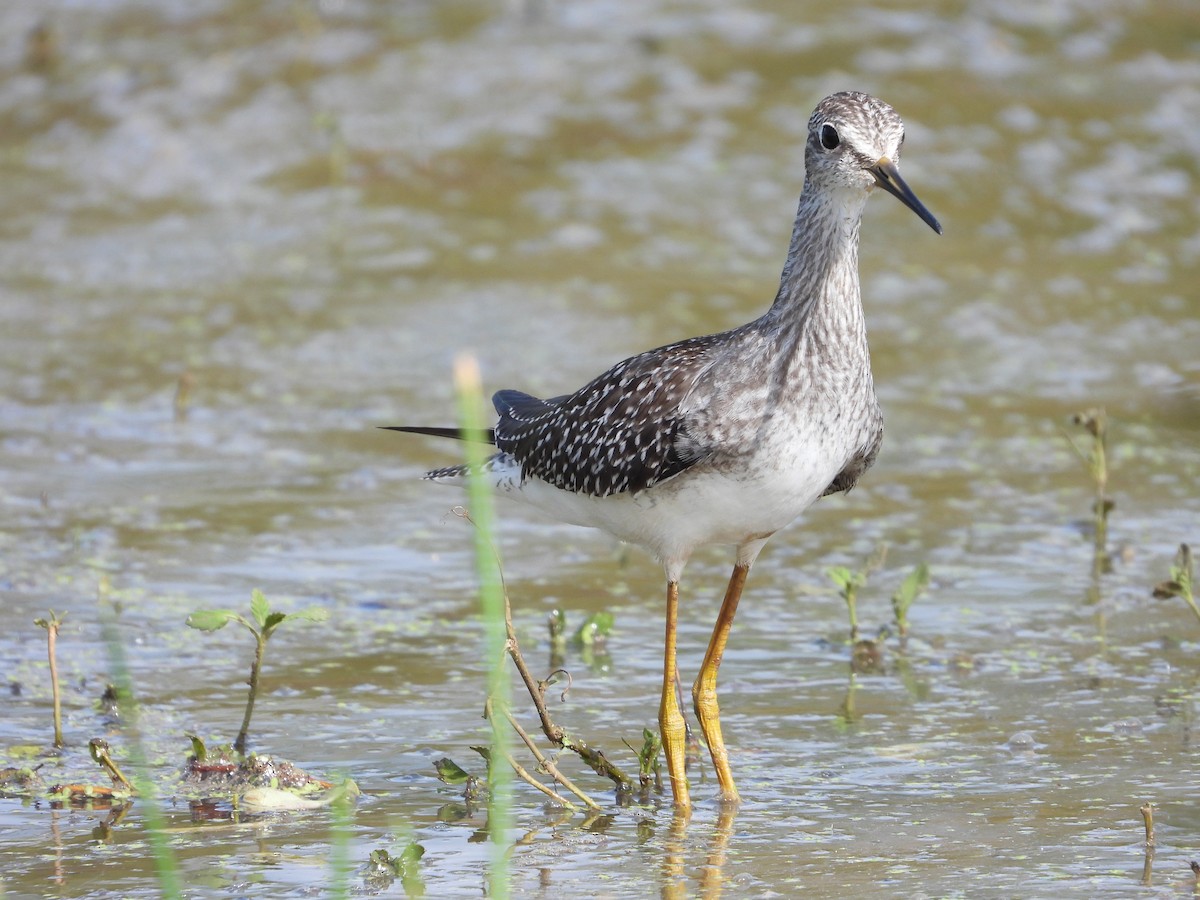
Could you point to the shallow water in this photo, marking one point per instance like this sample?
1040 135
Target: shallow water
310 210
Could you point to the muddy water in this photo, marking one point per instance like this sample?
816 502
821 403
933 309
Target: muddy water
307 211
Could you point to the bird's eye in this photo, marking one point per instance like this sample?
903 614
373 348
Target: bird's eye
829 137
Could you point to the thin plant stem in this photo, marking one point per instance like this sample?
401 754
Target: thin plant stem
260 647
491 599
51 641
1095 460
52 625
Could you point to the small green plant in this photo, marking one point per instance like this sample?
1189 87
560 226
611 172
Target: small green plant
591 638
1095 460
1180 582
910 589
849 581
594 631
648 759
52 625
264 624
383 868
451 773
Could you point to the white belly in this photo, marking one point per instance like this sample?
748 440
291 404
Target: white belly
700 506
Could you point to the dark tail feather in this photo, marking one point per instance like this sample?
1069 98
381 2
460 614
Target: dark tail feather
489 435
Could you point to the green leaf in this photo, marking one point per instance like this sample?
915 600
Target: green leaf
410 855
56 620
846 579
198 748
259 607
596 627
273 619
916 582
211 619
450 772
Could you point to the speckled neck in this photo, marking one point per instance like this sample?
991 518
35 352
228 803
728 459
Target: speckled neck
818 309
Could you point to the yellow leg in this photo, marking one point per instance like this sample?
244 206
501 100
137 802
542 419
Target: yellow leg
704 691
670 719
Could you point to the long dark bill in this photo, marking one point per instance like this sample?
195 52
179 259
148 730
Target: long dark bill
887 176
486 436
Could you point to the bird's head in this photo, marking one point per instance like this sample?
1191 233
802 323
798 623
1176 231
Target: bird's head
854 142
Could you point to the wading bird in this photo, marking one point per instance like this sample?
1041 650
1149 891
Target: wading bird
726 438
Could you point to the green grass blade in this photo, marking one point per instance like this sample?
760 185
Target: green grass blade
491 598
169 880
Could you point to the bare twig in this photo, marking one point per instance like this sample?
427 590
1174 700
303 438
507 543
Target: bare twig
596 759
547 765
524 775
555 733
52 625
1147 811
1148 820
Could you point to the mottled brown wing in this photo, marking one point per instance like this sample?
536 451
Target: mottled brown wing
622 432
